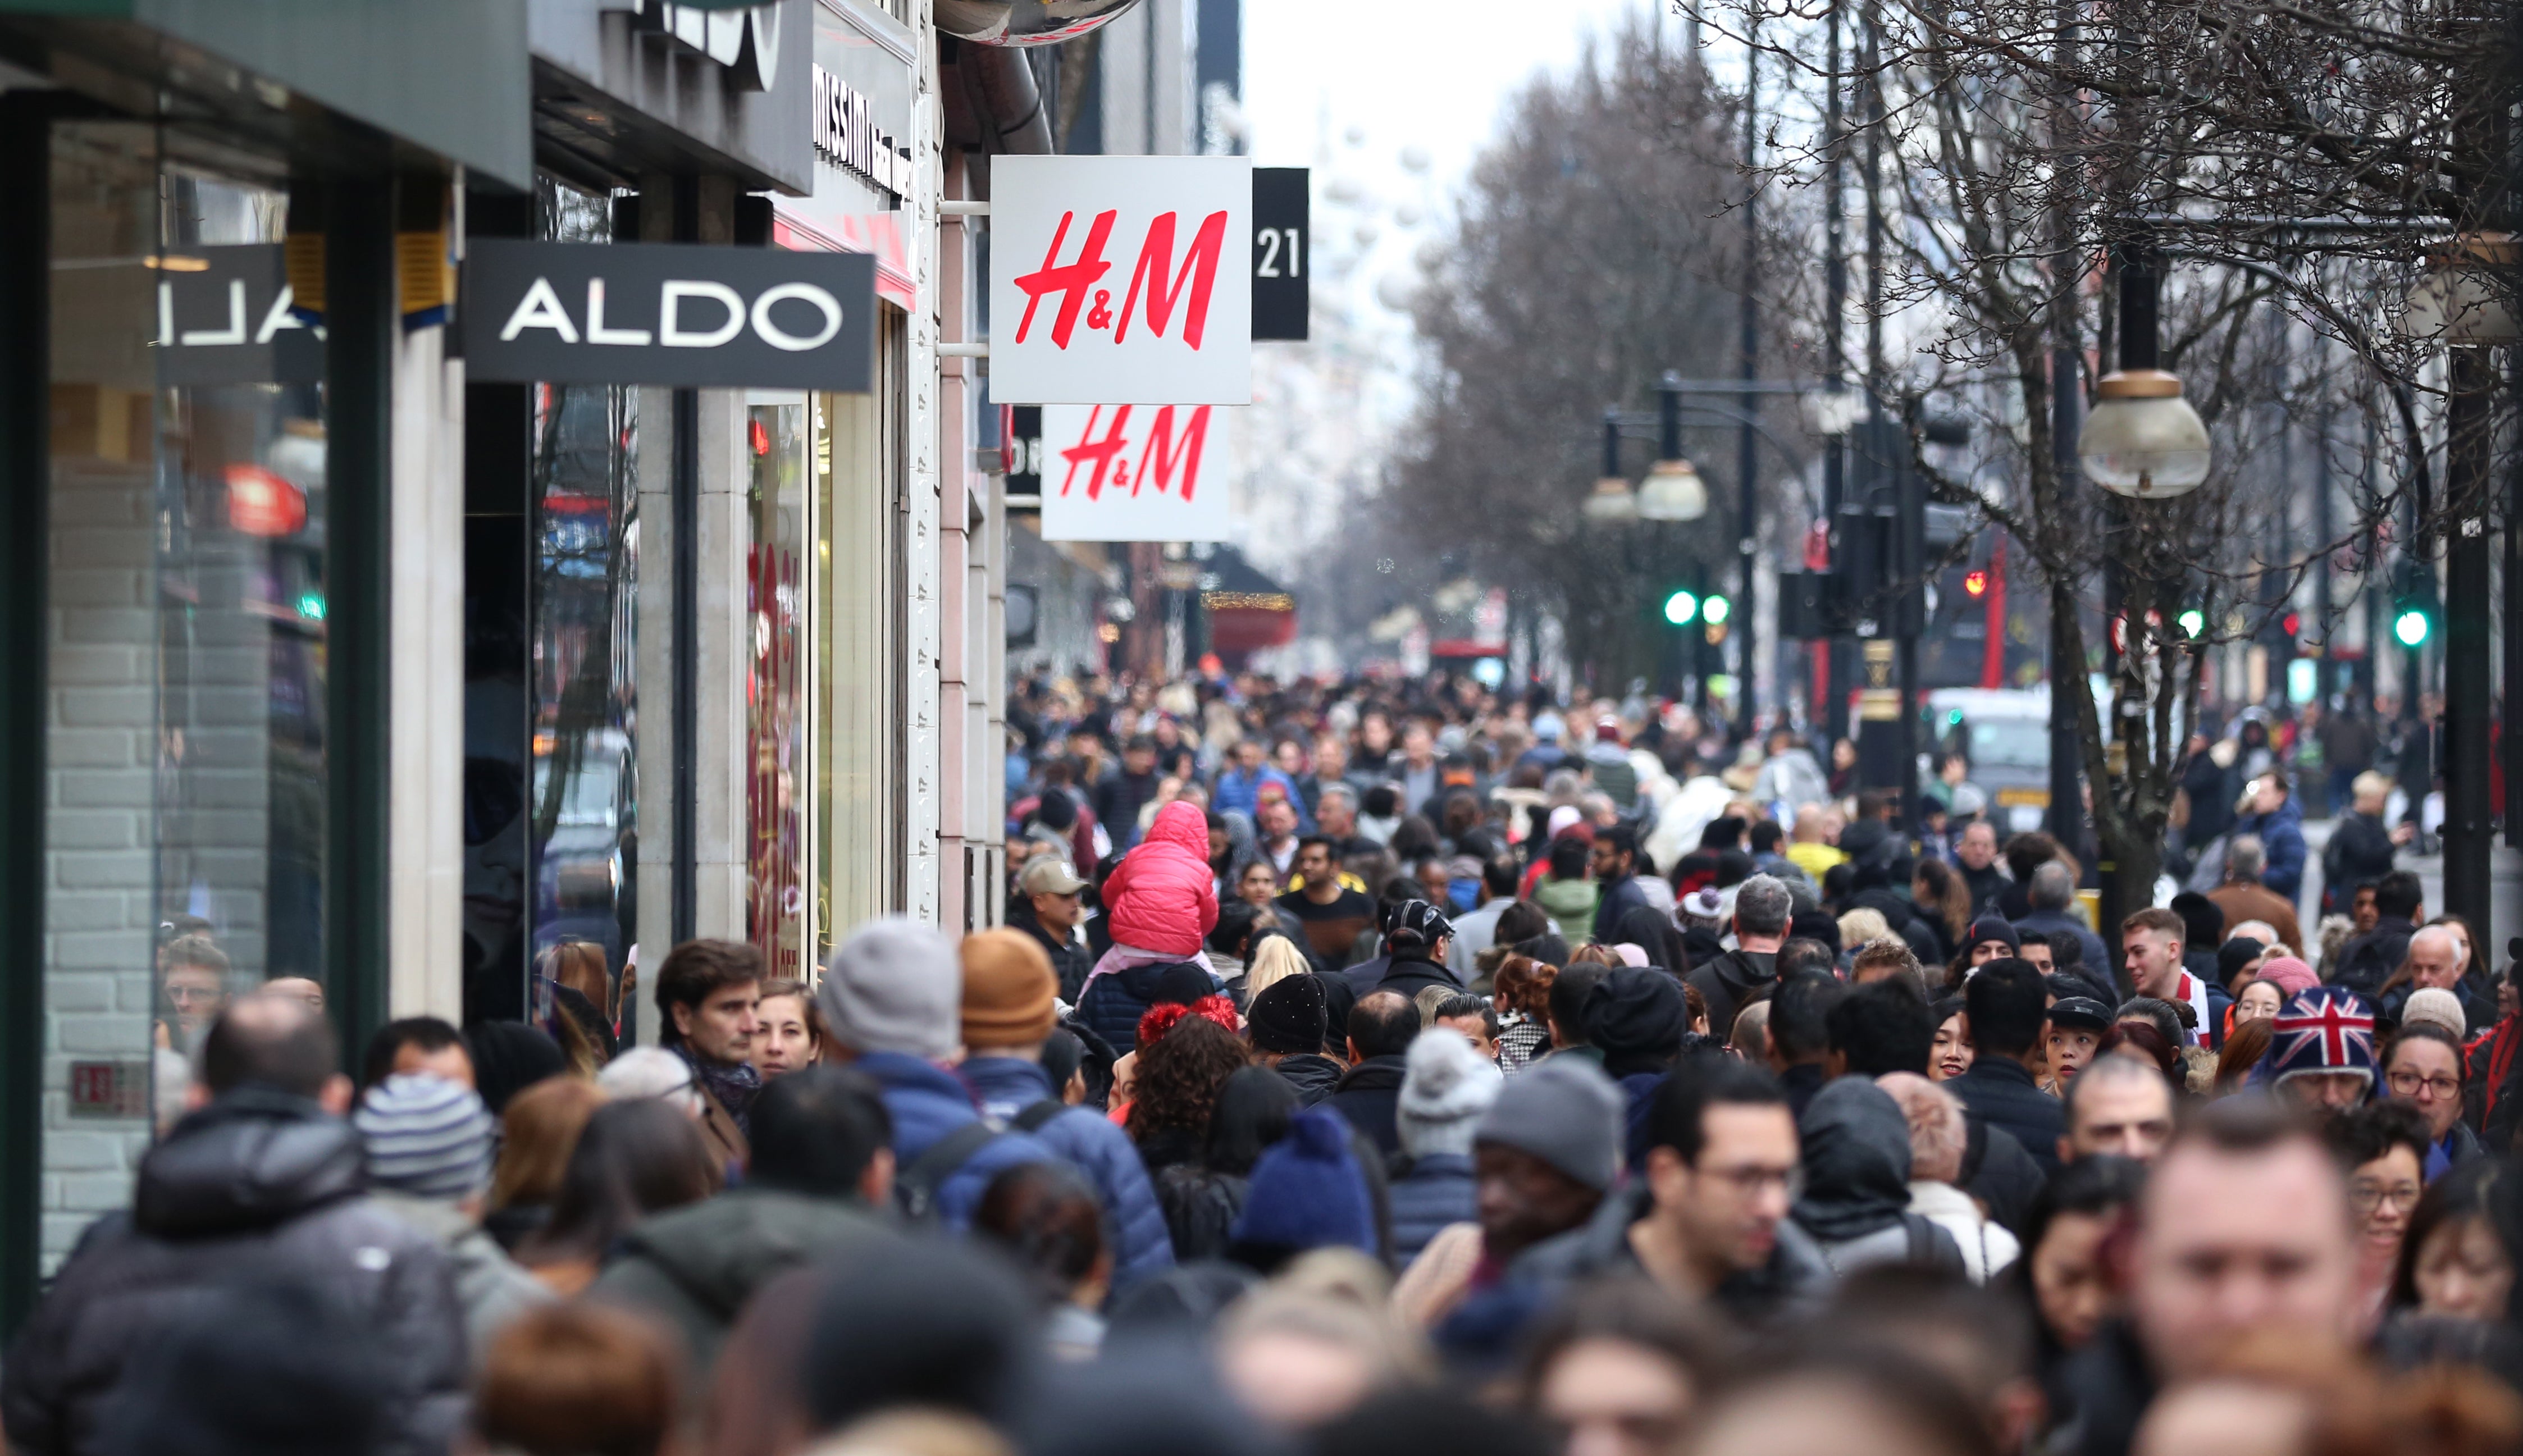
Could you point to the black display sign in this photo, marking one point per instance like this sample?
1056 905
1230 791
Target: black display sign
1283 238
684 314
225 316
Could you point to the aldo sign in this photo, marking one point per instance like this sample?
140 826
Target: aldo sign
682 314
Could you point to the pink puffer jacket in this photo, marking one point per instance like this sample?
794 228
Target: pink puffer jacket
1162 896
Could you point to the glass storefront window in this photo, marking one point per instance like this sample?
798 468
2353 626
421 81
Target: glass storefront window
188 641
774 688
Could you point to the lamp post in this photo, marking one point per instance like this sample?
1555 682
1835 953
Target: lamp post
2142 440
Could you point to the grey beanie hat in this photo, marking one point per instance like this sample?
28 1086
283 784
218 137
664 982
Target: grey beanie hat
426 1137
896 985
1564 1112
1446 1086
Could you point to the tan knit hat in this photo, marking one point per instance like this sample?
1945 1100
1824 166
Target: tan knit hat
1009 990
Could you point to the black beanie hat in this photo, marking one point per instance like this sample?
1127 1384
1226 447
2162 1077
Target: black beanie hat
1636 1010
1290 1015
1182 984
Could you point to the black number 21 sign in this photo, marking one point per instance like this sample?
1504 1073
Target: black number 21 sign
1282 237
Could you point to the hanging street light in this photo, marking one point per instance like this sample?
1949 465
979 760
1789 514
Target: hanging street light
2142 440
2462 301
1672 492
1612 504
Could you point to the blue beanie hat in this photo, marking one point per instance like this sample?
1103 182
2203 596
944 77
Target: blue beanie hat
1307 1191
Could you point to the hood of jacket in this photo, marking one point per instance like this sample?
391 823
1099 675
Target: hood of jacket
720 1250
1742 972
1006 1085
1856 1161
1566 896
252 1159
1180 825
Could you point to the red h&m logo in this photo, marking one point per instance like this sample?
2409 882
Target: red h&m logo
1075 281
1161 458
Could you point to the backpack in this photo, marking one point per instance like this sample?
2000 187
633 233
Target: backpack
915 1187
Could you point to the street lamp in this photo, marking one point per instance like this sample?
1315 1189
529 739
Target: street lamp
2142 440
2461 300
1673 490
1612 503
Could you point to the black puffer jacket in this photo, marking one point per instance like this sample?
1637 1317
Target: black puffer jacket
259 1183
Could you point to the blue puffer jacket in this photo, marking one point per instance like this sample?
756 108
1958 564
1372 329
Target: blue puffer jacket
1437 1190
2282 833
927 1104
1089 1141
1114 1004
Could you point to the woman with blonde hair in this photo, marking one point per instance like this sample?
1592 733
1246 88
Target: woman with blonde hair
1275 957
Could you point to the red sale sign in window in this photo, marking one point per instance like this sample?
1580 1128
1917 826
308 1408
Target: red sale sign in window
1121 280
1136 472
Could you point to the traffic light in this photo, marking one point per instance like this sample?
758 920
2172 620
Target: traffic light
1682 607
1714 610
1975 584
2414 607
2193 622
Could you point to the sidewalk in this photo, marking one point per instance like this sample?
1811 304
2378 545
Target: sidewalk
2505 878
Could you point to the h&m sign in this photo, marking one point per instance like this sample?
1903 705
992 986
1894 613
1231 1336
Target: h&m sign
682 314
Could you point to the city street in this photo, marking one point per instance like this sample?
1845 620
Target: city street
1185 728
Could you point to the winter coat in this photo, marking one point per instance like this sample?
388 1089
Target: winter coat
2281 833
1856 1200
492 1288
2359 852
1434 1191
1570 904
1369 1096
1115 1002
693 1268
927 1104
1088 1140
1619 898
259 1179
1162 896
1731 982
2000 1091
1411 972
1793 1282
1313 1075
1200 1207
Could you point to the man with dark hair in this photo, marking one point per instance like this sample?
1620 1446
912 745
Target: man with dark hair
823 1166
1746 973
1476 930
1331 916
2034 946
1805 955
1567 1005
2008 1004
2365 962
1879 1027
1615 865
1709 1219
264 1175
1868 839
2244 1228
1800 1033
416 1044
1120 795
708 994
1381 1027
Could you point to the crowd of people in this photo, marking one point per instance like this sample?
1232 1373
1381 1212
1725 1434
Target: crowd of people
1369 1071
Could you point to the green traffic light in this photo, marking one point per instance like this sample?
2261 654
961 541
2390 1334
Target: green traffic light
311 605
1715 610
2193 624
1681 607
2411 627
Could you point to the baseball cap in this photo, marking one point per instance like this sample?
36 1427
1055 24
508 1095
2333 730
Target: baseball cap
1049 875
2080 1014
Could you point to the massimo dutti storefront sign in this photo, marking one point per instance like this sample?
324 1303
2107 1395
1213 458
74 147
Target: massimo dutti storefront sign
682 314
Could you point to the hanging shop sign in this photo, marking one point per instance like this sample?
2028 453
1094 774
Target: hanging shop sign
849 136
1134 472
1283 236
684 314
745 41
1121 280
226 316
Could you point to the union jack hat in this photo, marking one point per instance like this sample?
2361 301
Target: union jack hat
2326 1029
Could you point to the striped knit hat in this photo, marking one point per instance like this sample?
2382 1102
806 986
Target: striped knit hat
426 1137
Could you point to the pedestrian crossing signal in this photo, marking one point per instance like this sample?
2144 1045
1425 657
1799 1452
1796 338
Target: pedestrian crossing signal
1681 607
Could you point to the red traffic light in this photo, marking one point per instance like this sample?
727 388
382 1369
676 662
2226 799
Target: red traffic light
1975 583
2292 622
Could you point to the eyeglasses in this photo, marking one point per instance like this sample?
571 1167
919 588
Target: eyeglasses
1747 1181
2369 1196
2442 1089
